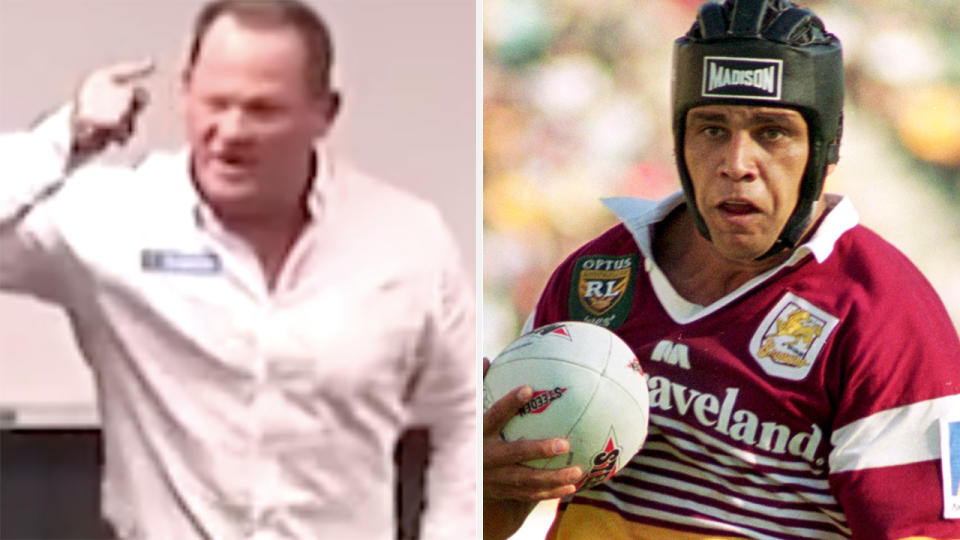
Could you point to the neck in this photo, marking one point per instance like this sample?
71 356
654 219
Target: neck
271 236
697 271
273 220
703 276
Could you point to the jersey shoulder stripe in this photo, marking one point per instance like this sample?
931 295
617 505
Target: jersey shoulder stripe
899 436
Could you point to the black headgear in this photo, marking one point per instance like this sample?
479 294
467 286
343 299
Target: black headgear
763 53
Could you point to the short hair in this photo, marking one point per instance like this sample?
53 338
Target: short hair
273 13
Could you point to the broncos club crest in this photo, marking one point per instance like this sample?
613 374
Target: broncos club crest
789 339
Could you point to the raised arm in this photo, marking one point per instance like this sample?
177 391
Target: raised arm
107 106
34 165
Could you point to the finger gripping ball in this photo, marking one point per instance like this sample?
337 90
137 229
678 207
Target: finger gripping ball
587 387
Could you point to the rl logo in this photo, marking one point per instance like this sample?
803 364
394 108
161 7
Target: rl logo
599 295
602 289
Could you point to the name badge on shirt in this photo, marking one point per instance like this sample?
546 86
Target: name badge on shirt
950 461
164 260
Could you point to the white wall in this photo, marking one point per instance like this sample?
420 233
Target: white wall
407 72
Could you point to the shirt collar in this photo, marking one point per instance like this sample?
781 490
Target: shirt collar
187 194
639 214
321 187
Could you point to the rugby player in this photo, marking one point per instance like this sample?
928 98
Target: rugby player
798 364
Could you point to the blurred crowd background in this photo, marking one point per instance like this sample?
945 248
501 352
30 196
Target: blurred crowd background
577 107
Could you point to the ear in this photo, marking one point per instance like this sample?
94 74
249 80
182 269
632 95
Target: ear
186 79
332 106
830 168
328 107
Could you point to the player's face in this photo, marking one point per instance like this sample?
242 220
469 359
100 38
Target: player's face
252 119
745 164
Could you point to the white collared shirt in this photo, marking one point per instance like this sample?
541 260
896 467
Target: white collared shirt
229 410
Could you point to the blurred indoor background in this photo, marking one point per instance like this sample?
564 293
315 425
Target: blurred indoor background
577 107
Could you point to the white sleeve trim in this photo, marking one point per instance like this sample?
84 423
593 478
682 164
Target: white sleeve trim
899 436
528 324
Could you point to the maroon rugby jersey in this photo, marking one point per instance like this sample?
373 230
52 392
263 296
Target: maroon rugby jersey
804 404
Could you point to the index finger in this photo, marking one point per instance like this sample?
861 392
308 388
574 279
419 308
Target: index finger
505 408
126 72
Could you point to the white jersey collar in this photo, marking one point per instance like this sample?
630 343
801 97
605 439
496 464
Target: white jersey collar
638 215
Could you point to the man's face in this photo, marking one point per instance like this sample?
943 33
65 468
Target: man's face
252 119
746 164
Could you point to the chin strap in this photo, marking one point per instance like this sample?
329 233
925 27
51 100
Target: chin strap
789 240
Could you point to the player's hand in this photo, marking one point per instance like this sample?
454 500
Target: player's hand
107 104
503 475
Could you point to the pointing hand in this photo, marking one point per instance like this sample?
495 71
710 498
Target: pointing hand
107 105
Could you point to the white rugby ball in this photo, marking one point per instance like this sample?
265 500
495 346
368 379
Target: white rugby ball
587 387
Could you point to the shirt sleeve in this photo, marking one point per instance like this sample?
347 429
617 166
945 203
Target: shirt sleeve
444 398
551 307
33 166
900 375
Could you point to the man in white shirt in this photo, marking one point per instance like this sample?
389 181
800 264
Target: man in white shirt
262 321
